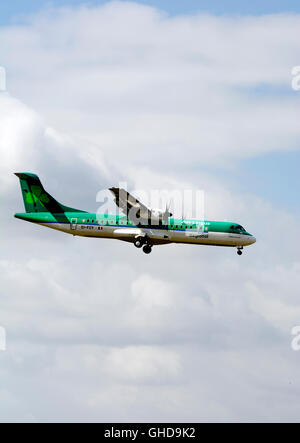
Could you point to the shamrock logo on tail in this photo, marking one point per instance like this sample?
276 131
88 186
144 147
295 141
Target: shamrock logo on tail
37 195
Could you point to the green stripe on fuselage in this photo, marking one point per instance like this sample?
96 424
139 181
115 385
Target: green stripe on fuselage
122 221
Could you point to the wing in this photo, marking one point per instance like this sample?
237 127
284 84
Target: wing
130 206
131 234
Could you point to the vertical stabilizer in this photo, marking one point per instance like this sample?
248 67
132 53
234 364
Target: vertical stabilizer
36 198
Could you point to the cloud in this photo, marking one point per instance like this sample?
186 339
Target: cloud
188 332
216 88
20 129
143 363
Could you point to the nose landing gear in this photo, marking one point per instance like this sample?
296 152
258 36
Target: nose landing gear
240 250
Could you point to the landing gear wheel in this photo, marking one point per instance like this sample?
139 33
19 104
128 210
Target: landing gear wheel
139 242
147 249
239 252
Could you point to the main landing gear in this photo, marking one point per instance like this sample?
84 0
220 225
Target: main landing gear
141 242
240 250
147 249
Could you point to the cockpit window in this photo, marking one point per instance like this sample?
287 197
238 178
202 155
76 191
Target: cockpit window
237 228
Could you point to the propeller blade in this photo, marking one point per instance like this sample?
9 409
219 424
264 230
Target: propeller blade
167 211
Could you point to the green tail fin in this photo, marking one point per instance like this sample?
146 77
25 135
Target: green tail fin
36 199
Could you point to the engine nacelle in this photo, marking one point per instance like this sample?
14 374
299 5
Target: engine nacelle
159 214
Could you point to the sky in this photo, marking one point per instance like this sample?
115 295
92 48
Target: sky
17 8
162 96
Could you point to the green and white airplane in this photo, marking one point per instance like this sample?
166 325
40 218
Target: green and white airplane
139 225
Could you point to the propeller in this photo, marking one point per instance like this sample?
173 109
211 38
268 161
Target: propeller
167 213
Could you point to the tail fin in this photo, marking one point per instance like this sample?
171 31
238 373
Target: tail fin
36 199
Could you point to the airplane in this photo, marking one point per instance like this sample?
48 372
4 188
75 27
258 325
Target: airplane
138 224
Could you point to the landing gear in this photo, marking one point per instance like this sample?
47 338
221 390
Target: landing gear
143 242
139 242
240 250
147 249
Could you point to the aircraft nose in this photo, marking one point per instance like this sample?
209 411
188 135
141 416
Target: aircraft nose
253 239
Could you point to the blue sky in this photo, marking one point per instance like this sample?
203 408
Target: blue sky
9 10
274 177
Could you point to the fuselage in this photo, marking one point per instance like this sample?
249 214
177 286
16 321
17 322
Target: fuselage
120 227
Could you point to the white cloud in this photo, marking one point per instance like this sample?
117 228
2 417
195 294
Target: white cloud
188 331
20 133
143 364
184 86
150 293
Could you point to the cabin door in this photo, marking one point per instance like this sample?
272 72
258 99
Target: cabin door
73 224
200 228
